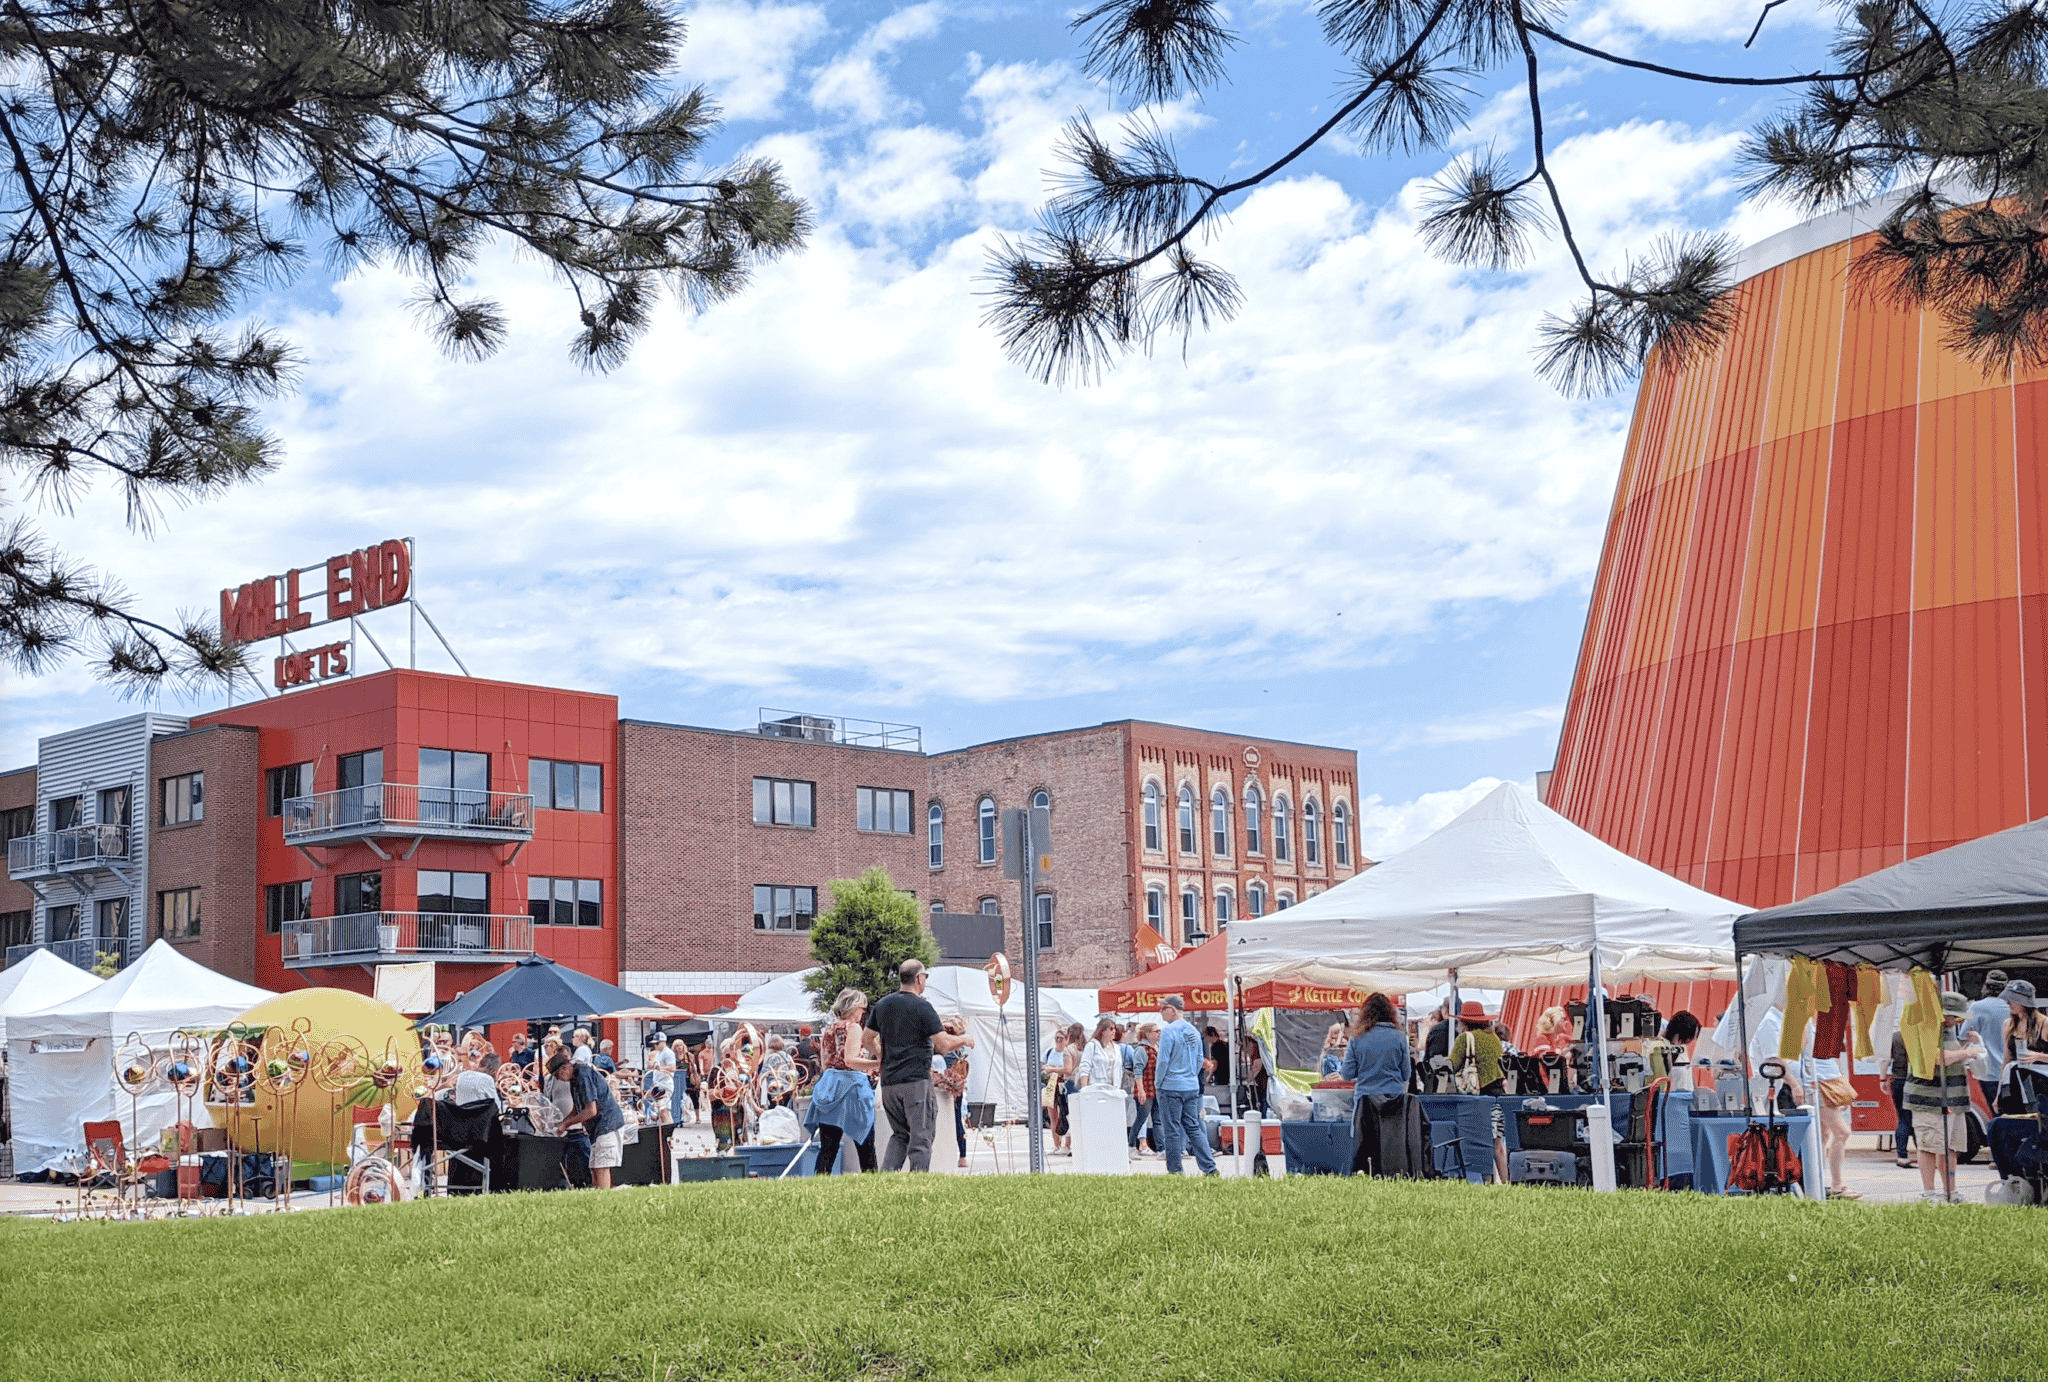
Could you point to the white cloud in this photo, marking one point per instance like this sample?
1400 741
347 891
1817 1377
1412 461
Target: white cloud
1617 21
1479 728
1387 828
855 83
746 53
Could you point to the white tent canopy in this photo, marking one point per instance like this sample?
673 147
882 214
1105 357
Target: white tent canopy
1508 895
1002 1066
61 1059
40 981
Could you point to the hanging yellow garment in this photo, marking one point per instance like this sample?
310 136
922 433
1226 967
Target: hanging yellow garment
1869 998
1806 997
1920 1025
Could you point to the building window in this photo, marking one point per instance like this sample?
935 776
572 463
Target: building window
177 913
1187 819
359 789
114 806
280 785
64 922
1254 842
990 907
1155 910
985 822
935 834
1311 833
780 908
1043 798
1255 900
1340 833
455 786
365 769
1219 823
444 893
778 801
1151 816
17 822
938 908
1283 902
283 902
1190 917
1041 910
883 809
17 928
565 901
67 813
358 892
558 786
1225 906
112 929
184 799
1283 838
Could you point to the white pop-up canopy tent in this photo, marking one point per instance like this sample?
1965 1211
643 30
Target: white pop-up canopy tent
1508 895
1002 1066
39 981
61 1059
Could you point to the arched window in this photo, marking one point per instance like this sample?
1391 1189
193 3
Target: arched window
1190 916
1311 832
1254 843
1340 833
1155 910
1219 822
1041 797
1151 815
986 815
1283 839
1283 902
1225 905
935 833
938 909
1187 819
1255 900
990 907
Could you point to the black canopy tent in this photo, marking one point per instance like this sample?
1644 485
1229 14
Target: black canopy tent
1981 903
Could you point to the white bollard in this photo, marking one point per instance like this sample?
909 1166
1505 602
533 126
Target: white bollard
1600 1142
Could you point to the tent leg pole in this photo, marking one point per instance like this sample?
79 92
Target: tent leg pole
1742 1028
1599 1120
1231 1016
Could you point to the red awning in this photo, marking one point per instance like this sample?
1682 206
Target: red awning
1196 978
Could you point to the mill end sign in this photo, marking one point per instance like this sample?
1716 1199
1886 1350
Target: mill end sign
352 583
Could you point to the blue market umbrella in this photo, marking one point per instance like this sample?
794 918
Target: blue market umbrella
537 988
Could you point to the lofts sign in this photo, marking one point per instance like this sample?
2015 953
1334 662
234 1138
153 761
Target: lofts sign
350 584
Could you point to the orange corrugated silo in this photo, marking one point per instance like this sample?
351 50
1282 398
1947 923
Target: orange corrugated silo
1818 640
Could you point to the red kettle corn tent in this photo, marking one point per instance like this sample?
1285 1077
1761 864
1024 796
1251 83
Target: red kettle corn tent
1196 978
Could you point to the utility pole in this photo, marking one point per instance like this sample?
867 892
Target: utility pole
1027 854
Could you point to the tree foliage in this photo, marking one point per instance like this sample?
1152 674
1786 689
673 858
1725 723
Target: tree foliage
873 927
1940 104
167 161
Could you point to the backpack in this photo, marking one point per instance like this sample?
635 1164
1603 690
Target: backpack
1761 1160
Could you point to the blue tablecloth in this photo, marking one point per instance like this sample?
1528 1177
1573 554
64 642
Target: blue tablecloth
1461 1127
1710 1147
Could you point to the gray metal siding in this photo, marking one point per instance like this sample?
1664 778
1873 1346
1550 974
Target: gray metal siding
85 762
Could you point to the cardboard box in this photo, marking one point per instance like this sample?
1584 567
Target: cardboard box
213 1139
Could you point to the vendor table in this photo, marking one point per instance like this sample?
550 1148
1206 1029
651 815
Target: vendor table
1710 1135
540 1161
1317 1149
1470 1152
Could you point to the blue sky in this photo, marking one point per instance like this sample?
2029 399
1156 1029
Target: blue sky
1352 516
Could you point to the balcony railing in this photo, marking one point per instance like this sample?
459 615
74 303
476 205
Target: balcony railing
399 808
80 848
393 937
83 953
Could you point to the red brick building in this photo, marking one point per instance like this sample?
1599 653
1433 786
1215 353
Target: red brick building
729 838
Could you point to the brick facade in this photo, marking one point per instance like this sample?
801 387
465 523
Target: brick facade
216 855
690 853
17 789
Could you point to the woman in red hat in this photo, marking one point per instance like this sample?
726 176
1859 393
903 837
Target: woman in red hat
1476 1056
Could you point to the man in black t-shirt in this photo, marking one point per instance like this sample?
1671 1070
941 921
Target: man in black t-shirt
908 1033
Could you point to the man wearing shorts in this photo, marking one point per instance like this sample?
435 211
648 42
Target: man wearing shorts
594 1120
1940 1103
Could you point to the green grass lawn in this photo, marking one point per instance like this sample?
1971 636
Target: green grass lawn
988 1278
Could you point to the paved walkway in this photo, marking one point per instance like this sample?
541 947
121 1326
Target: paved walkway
1869 1172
